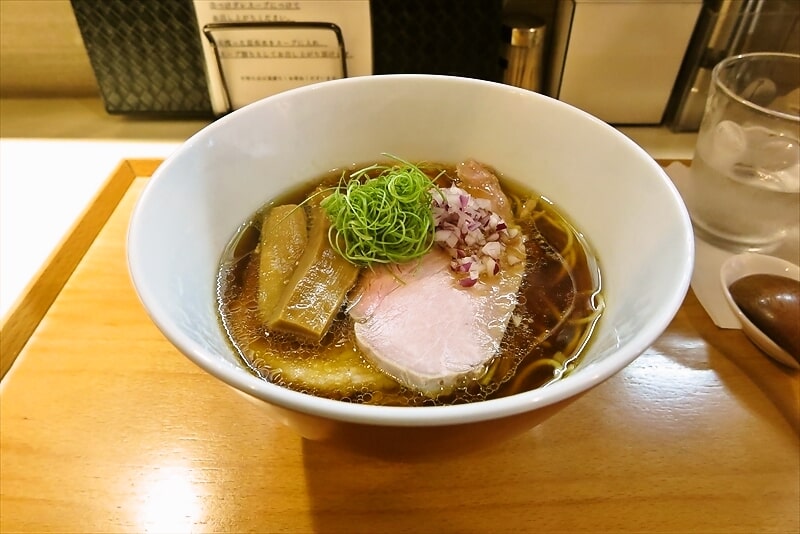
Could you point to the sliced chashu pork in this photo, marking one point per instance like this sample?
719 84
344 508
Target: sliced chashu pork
417 324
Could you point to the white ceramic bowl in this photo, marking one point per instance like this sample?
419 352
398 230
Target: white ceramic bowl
614 193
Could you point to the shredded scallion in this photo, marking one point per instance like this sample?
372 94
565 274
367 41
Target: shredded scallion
382 219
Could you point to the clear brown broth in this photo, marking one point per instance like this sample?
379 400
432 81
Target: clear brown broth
558 306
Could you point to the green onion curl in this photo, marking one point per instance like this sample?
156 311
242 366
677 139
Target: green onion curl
385 219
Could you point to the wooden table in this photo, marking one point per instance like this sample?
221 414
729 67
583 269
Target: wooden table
105 427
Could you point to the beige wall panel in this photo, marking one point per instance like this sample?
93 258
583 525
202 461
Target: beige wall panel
41 51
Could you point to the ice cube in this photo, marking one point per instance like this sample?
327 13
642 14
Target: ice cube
789 178
770 150
772 158
727 145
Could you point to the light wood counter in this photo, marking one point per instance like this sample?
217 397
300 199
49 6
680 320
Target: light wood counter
105 427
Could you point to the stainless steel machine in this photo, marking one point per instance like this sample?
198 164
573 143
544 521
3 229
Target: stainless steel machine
726 28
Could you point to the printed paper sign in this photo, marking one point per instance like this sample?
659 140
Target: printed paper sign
264 47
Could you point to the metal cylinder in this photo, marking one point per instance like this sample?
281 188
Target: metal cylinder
522 51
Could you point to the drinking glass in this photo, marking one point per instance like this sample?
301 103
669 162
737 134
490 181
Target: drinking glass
745 175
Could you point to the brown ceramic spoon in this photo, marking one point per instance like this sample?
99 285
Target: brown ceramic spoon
772 303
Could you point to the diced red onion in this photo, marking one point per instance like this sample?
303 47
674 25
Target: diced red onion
493 249
483 203
489 264
473 235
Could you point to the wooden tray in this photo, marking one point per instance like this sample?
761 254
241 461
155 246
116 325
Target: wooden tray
105 427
